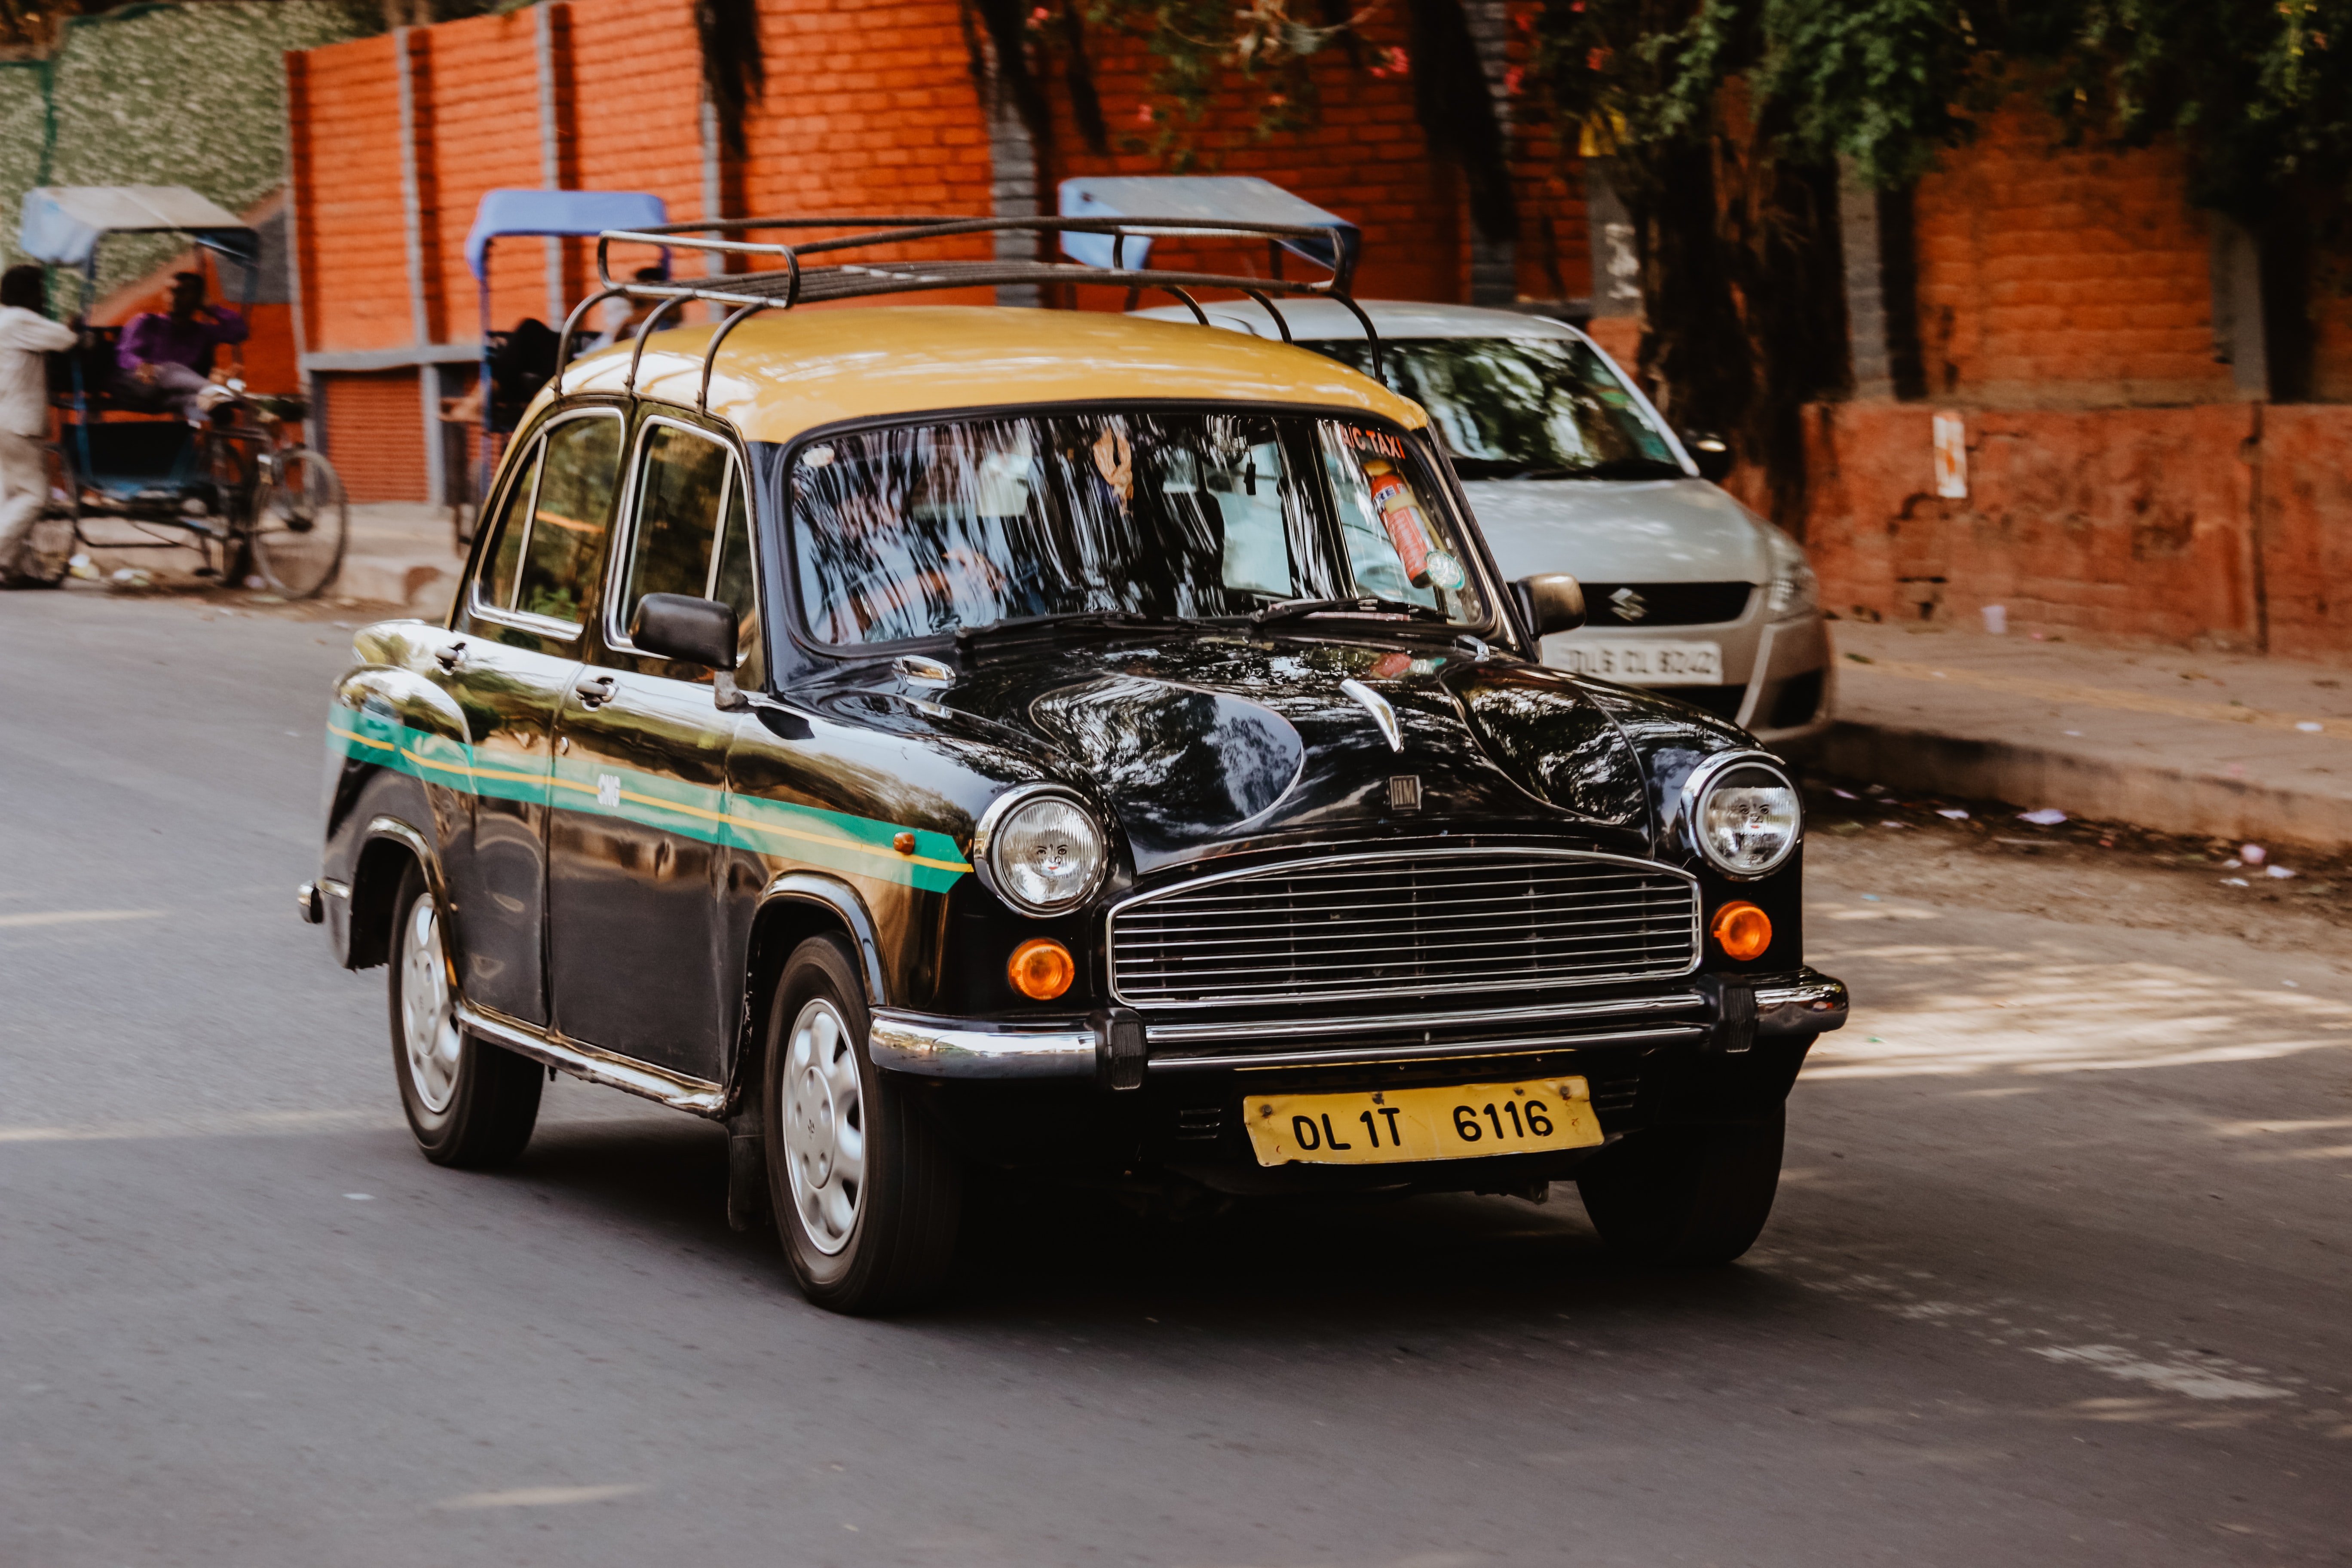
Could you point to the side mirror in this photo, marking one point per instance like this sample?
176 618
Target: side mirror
1712 453
691 631
1554 602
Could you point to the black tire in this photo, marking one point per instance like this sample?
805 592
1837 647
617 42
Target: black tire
1686 1196
897 1239
477 1110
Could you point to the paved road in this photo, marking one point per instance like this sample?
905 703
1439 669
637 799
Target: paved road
2061 1282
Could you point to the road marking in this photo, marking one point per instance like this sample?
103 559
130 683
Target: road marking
2094 696
541 1497
2194 1379
229 1124
77 917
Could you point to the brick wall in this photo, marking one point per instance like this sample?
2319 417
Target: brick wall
2216 524
485 99
2053 276
351 227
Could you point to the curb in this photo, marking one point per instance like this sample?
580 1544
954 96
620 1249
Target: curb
2166 799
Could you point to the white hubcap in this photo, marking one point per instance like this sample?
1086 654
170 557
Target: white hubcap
428 1023
824 1127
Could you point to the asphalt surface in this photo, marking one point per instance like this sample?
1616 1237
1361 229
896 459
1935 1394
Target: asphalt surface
2059 1272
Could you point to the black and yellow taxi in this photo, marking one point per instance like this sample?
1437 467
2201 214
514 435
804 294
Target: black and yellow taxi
951 738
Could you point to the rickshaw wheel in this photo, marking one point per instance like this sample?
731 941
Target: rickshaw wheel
301 522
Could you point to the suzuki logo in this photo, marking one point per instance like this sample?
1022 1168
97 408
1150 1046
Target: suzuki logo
1631 606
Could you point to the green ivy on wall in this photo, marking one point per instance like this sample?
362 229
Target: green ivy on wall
160 95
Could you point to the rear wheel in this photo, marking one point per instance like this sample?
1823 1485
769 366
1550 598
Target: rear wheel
1686 1196
866 1193
469 1103
302 520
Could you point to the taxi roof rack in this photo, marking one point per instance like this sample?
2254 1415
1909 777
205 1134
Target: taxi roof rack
783 286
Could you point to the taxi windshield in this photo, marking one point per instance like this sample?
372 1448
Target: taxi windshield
916 530
1538 408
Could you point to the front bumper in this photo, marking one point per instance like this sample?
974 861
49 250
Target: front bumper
1706 1012
1780 677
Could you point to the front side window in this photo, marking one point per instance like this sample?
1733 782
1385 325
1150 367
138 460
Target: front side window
569 517
918 530
1522 408
691 533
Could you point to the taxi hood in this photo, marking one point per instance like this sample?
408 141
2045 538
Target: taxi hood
1205 744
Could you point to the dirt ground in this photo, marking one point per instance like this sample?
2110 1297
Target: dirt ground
2110 874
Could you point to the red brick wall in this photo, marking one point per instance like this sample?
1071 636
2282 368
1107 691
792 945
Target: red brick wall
870 108
375 434
353 244
485 93
2123 524
2063 278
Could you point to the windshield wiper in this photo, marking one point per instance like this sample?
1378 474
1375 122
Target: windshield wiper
1614 468
1368 605
1073 621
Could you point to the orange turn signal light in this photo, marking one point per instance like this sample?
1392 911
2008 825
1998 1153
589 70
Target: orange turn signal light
1041 969
1742 930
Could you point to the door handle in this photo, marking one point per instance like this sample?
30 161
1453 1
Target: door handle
595 691
452 657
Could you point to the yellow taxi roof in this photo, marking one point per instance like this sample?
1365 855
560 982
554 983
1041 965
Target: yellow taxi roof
779 374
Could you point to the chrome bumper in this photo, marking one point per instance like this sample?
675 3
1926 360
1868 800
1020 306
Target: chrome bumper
953 1048
1813 1006
929 1046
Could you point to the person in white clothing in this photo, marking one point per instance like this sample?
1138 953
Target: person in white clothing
25 335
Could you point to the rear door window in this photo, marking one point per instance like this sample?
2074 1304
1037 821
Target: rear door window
683 479
496 590
569 517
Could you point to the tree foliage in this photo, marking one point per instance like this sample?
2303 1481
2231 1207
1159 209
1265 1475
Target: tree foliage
1726 123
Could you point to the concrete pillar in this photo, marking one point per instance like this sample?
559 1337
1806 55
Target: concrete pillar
2236 272
1012 182
1882 305
1494 263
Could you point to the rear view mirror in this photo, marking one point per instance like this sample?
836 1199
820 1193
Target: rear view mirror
1712 454
691 631
1553 601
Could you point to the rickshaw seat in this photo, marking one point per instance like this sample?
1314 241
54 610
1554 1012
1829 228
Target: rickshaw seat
133 455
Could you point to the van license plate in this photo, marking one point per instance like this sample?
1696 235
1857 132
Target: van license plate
1390 1126
1641 661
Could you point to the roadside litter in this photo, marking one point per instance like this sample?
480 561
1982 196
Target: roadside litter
2048 817
2252 854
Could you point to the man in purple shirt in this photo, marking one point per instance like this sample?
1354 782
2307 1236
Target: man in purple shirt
165 360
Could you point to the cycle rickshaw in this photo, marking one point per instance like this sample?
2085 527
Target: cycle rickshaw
239 486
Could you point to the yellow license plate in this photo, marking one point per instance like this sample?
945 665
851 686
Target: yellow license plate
1380 1127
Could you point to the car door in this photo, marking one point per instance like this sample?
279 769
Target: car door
635 844
514 652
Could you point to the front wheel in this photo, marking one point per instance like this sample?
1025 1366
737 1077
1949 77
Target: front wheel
301 522
865 1191
470 1103
1686 1196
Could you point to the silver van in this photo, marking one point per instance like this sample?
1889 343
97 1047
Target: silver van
1569 468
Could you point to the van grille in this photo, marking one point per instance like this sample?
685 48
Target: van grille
1405 923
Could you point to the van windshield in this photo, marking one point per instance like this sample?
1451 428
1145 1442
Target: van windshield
1539 408
916 530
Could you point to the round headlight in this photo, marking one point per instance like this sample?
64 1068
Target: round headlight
1746 817
1040 851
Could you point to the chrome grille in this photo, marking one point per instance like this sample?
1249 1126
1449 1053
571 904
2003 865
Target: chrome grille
1405 923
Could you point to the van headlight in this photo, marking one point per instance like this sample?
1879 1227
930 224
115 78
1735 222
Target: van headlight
1040 849
1794 590
1744 815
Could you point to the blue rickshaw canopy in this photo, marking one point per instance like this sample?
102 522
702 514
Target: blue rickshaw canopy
515 212
1243 198
63 224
